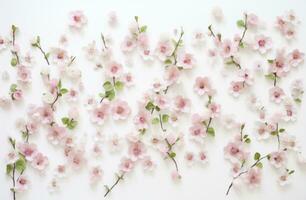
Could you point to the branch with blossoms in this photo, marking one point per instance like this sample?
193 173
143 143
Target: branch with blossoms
161 119
15 60
37 44
60 91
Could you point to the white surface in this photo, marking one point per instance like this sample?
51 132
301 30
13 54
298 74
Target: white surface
49 20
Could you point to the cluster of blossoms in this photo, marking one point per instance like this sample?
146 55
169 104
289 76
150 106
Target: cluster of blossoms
160 110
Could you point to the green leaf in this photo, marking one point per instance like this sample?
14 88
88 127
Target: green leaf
247 140
14 62
211 131
9 168
119 85
63 91
155 120
65 120
172 154
157 108
14 28
13 88
297 100
256 156
168 62
20 164
59 84
150 106
72 124
270 61
291 172
270 76
259 165
241 45
274 132
165 118
110 95
143 29
108 86
240 23
136 18
281 130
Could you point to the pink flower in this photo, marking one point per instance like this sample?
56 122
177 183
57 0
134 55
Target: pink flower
276 94
161 101
289 141
236 88
234 152
148 164
24 74
142 119
114 69
197 130
28 150
283 179
22 183
277 159
76 159
203 86
280 64
252 20
56 134
246 77
297 89
128 44
136 150
95 174
202 156
17 95
164 49
186 60
262 131
253 177
228 48
128 79
61 171
172 74
59 56
45 114
77 19
115 143
214 110
39 161
262 43
112 18
290 113
295 58
189 157
120 110
126 165
181 104
100 113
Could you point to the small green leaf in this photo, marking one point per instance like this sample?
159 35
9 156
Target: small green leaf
63 91
14 62
65 120
155 120
291 172
172 154
13 88
259 165
150 106
72 124
110 95
211 131
270 76
9 168
241 45
247 140
281 130
297 100
143 29
136 18
165 118
157 108
20 164
270 61
59 84
119 85
274 132
257 156
240 23
108 86
168 62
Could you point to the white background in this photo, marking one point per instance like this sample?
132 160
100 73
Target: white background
49 20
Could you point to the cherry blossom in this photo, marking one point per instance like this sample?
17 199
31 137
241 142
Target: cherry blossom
203 86
262 43
77 19
276 94
253 177
126 165
120 110
277 159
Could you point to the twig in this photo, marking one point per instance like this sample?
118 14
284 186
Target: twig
103 40
245 29
119 177
55 100
235 63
